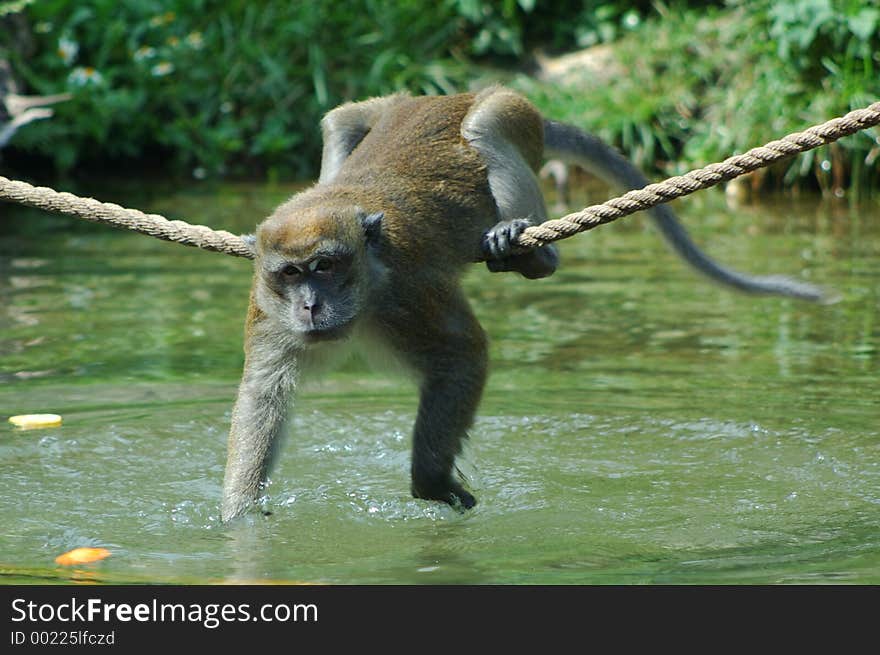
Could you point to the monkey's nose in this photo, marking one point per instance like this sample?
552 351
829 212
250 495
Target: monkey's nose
312 308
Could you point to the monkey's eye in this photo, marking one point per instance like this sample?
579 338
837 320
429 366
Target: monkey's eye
321 265
291 271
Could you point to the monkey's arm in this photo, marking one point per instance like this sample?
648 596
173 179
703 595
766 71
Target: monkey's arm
450 353
572 145
258 418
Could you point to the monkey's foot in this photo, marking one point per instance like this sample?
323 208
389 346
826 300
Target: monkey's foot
445 490
498 244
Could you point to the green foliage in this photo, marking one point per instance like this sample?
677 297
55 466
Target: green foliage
210 88
694 87
645 101
497 27
13 6
513 27
221 87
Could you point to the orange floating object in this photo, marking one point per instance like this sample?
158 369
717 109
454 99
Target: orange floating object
82 556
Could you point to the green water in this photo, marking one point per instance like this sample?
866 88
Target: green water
640 425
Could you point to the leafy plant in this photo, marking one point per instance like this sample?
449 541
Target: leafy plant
207 87
691 87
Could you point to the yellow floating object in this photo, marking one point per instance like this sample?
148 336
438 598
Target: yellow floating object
35 420
82 556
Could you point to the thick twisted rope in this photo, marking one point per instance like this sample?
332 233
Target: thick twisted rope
157 226
701 178
206 238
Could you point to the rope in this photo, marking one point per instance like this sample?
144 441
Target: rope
157 226
206 238
701 178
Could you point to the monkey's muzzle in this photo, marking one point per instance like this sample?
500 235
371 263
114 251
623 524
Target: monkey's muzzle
319 335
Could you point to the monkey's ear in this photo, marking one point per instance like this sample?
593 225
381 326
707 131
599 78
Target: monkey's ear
372 224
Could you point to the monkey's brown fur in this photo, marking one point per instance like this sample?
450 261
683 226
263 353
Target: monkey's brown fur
411 190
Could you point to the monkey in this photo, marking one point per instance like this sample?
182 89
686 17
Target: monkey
411 191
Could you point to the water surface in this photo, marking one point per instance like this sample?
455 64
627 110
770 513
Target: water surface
640 424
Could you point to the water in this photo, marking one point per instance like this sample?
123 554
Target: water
640 425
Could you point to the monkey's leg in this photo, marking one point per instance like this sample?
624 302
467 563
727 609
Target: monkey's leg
258 420
507 147
453 374
345 127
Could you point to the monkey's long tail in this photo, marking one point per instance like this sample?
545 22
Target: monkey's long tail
575 146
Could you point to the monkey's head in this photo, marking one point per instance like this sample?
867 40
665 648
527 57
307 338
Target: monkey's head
316 268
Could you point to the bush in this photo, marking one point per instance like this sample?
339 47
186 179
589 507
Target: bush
221 87
692 87
211 88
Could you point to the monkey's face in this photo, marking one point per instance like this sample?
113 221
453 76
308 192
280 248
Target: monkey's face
317 294
314 272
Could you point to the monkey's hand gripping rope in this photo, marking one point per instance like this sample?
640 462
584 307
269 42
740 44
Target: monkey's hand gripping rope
206 238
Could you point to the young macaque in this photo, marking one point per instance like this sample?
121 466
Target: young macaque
411 191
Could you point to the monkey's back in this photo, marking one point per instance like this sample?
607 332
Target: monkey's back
432 185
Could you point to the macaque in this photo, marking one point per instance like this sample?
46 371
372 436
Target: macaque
411 191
